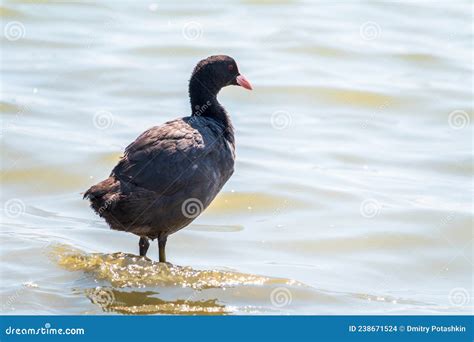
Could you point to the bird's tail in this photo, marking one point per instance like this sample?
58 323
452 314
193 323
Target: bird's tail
103 195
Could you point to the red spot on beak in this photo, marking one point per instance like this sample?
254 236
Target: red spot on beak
243 82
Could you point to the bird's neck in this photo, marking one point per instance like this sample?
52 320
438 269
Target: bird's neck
204 103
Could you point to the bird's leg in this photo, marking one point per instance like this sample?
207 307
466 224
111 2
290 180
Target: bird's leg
143 244
161 248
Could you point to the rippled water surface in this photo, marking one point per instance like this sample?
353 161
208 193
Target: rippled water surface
353 185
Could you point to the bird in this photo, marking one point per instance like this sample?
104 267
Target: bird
173 171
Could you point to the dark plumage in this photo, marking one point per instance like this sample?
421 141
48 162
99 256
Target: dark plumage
170 173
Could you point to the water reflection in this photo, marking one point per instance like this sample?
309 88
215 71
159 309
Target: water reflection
148 302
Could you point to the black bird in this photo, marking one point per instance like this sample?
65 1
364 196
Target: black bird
172 172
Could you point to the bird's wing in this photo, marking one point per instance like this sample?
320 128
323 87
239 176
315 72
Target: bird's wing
163 159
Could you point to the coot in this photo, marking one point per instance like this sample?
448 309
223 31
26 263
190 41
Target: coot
172 172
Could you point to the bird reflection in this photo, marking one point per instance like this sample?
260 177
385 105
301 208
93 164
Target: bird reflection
147 302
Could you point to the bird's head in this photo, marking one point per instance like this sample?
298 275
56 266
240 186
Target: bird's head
216 72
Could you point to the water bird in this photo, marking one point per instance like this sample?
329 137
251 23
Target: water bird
173 171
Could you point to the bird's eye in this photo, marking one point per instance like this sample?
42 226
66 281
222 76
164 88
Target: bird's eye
230 67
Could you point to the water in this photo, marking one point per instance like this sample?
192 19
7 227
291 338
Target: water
353 185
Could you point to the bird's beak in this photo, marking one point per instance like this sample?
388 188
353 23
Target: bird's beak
243 82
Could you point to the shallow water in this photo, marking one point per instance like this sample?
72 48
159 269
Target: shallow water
353 185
